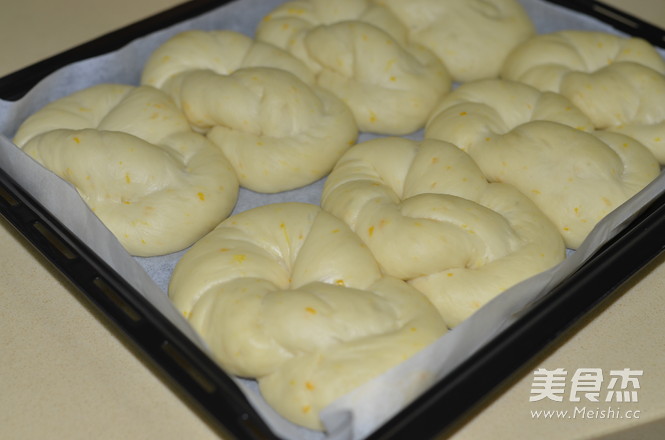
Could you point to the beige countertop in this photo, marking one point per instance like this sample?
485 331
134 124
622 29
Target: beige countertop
66 373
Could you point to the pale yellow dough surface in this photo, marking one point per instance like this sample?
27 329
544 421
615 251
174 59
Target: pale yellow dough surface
287 25
359 52
547 148
47 326
278 132
130 153
288 294
618 82
430 217
258 103
471 37
220 51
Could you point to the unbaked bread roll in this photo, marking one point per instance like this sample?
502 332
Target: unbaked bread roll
390 85
278 132
543 145
471 37
287 25
430 217
220 51
157 185
618 82
287 294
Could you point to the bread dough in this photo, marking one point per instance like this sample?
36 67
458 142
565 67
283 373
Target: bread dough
546 147
471 37
391 90
287 294
287 25
220 51
258 103
618 82
430 217
278 132
390 85
129 151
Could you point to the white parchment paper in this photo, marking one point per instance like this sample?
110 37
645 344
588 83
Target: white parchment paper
359 413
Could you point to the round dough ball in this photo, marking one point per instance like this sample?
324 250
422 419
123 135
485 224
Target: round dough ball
220 51
287 294
471 37
618 82
278 132
430 217
360 54
543 145
129 151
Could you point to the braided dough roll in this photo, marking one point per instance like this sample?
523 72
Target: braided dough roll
358 52
130 153
543 145
278 132
287 25
220 51
618 82
287 294
471 37
430 217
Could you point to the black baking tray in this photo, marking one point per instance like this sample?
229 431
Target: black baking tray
205 385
